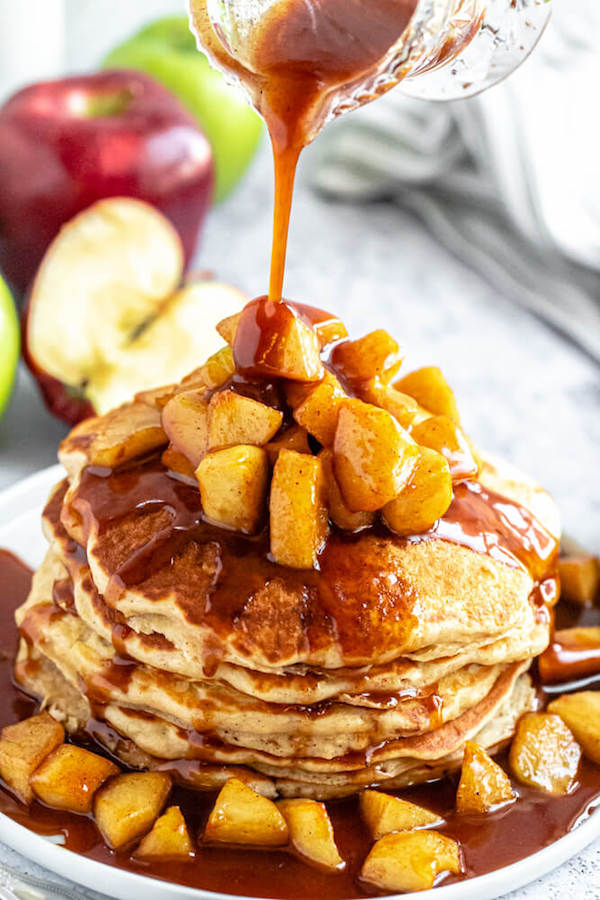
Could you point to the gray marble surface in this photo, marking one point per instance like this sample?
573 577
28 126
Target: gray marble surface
523 391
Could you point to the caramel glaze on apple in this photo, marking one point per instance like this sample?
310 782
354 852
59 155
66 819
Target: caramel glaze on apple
489 841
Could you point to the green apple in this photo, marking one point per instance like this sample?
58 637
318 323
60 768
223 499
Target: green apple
167 51
9 344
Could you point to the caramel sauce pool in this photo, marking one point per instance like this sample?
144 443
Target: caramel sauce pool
488 842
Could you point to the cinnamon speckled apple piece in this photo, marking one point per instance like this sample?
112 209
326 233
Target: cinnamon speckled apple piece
125 433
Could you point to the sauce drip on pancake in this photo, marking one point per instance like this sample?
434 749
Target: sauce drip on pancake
353 597
488 842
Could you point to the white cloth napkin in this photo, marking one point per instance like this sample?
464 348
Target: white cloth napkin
508 180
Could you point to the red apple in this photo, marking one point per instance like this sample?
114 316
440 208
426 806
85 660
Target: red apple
65 144
107 315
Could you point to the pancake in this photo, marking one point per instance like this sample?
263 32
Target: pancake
156 560
180 645
328 729
135 739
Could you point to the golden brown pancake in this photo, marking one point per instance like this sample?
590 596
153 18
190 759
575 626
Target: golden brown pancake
180 645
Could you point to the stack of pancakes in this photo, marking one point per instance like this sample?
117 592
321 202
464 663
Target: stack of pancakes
182 646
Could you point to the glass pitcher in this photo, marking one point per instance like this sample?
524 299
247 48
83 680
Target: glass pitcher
448 49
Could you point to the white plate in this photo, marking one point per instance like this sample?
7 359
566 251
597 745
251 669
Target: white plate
20 508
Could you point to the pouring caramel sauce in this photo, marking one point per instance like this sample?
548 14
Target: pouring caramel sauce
300 54
488 842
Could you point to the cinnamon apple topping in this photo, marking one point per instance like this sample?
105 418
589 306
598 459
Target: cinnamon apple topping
295 423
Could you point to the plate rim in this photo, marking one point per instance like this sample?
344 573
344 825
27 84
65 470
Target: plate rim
22 500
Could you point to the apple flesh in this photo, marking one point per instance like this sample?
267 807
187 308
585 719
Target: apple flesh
66 144
107 315
166 50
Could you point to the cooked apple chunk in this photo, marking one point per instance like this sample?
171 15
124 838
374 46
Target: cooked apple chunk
318 412
483 783
376 355
291 438
69 778
338 511
241 816
581 713
23 747
425 498
169 839
403 408
273 341
185 421
373 457
311 833
233 486
298 511
410 861
431 390
227 327
544 753
122 434
235 419
384 814
443 434
579 579
572 654
175 461
127 806
217 369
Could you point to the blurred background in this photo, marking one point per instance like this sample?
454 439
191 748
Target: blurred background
470 230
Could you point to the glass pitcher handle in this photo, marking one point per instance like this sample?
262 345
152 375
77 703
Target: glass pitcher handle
508 32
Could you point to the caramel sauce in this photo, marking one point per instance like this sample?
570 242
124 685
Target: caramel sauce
488 842
573 654
349 599
301 54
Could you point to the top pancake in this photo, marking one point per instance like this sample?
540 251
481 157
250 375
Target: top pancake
375 598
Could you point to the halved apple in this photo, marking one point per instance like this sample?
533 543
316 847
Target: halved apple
107 316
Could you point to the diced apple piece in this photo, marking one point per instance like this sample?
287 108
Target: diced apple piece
376 355
431 390
483 783
327 326
373 457
156 397
126 807
185 421
442 434
311 833
298 512
292 438
425 498
23 747
168 840
573 653
403 408
410 861
120 435
235 419
272 341
384 814
213 374
175 461
544 753
579 579
69 778
318 412
581 713
227 327
233 486
338 511
241 816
